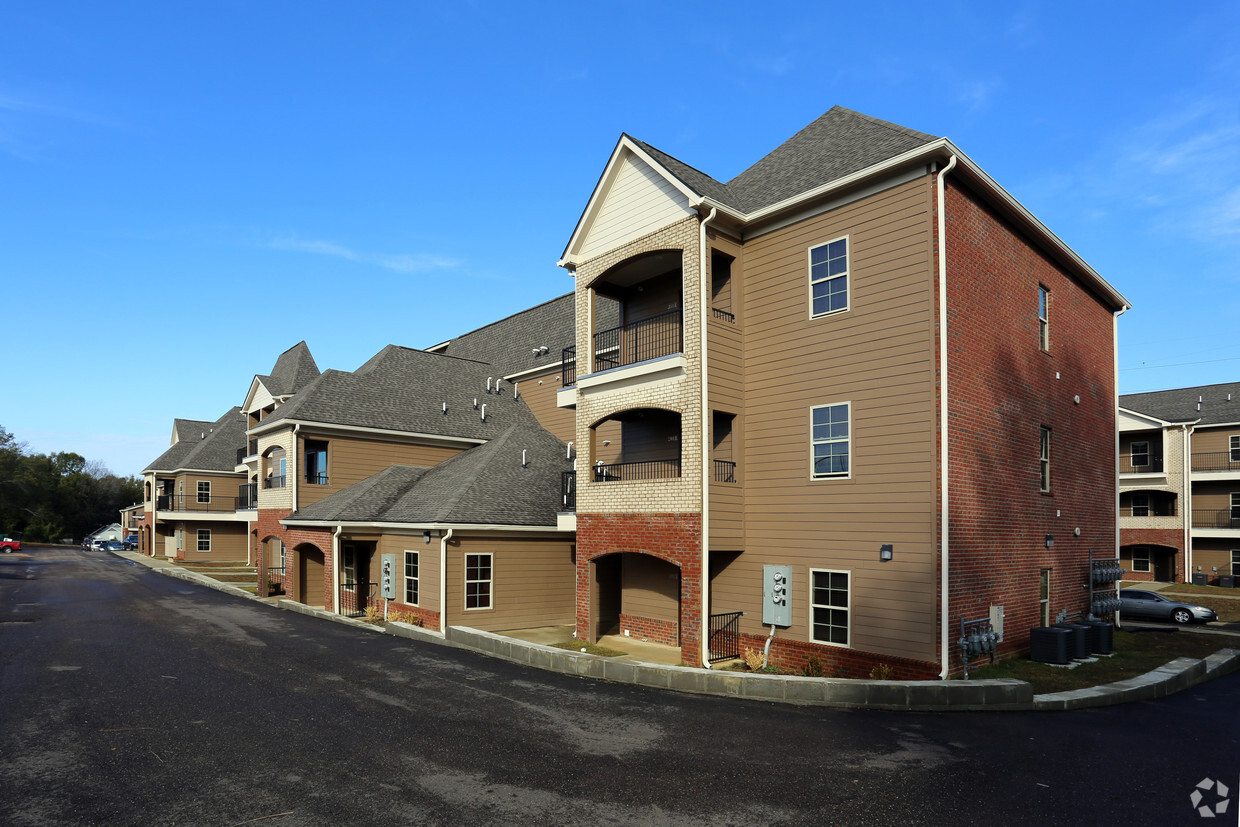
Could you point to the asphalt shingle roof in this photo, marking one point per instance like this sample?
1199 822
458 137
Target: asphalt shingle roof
1219 404
294 369
508 344
207 446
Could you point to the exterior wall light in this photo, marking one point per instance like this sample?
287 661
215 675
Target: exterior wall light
885 553
426 536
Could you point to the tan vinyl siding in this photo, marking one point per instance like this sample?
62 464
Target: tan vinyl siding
539 393
650 588
1215 440
228 541
534 583
352 459
428 566
878 356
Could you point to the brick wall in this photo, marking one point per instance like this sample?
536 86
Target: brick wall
793 656
1166 538
1002 388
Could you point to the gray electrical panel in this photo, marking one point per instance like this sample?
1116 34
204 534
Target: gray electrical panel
387 577
777 595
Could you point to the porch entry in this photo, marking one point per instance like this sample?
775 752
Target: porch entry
636 594
359 587
310 568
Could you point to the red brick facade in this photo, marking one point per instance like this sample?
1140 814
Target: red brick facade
793 656
675 538
1160 540
1002 389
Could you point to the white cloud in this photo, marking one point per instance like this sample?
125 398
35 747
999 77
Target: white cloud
408 263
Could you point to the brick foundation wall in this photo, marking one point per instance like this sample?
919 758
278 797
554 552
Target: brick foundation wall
1002 387
674 538
793 656
651 629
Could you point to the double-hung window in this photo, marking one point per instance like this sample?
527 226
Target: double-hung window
1044 318
204 491
1234 444
478 576
1140 454
204 539
411 578
828 277
1044 459
1140 505
1235 561
830 439
1141 558
830 607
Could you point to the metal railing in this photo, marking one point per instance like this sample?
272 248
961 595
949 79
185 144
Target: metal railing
650 338
723 315
1217 461
189 502
725 471
1152 510
275 482
725 637
250 450
568 490
1153 465
355 597
316 478
651 469
568 366
1216 518
247 496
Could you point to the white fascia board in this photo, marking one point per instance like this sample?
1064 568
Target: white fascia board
1154 421
362 525
542 370
625 144
348 430
202 471
255 386
1197 427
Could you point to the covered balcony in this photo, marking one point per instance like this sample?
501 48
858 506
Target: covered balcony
1147 504
636 445
637 311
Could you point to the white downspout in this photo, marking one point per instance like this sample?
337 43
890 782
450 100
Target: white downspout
1186 481
944 545
705 441
336 568
443 582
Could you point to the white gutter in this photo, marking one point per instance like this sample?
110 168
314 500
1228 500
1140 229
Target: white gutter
415 528
443 581
293 466
944 544
329 428
705 441
336 569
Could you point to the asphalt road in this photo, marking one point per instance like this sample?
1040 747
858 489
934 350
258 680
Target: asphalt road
128 697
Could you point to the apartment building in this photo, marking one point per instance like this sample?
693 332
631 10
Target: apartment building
1179 478
843 402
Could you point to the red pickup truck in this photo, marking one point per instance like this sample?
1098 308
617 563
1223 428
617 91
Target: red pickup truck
10 545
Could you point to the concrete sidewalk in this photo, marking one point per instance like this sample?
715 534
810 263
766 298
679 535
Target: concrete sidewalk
910 696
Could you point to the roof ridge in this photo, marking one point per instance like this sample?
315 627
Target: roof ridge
506 318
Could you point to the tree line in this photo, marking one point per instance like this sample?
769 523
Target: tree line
50 497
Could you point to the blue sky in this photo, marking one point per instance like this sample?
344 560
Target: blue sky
190 189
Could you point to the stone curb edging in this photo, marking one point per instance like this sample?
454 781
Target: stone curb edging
908 696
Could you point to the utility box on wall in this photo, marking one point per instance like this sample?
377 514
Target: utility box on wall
387 577
777 596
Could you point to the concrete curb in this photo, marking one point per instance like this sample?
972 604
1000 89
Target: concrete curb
1176 676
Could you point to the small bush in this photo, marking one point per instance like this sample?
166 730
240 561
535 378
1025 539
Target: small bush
405 617
814 667
374 615
753 659
882 672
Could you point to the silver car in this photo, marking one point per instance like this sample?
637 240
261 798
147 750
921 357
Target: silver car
1140 603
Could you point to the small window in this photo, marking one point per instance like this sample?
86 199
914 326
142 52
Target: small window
1235 561
1140 454
348 565
830 607
830 441
1044 318
477 581
1235 448
1140 505
204 539
828 277
316 462
1044 596
411 578
1140 558
204 491
1045 459
1235 508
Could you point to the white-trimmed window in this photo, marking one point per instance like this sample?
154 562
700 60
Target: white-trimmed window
411 578
830 607
1235 507
1140 558
348 565
1235 561
1044 318
1044 458
204 539
1140 454
478 576
1234 445
830 440
204 491
1140 505
828 278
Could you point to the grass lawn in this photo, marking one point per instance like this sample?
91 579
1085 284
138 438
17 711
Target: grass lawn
1135 654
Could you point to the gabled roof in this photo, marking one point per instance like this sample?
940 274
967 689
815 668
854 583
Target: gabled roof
509 344
1220 404
212 448
191 430
484 485
294 369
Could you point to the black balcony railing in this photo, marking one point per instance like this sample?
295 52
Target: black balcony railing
723 315
250 450
1147 511
1217 461
725 471
240 455
651 469
274 482
568 366
190 502
725 637
1148 465
317 478
1219 518
568 490
247 496
638 341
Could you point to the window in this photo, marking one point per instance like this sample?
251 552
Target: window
1140 505
316 462
1235 561
1140 558
1234 443
348 565
829 429
477 581
411 578
1044 318
204 539
1235 507
1140 454
1044 596
204 491
829 607
828 277
1045 459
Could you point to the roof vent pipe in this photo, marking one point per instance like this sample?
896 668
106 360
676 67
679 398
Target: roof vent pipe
489 384
497 381
569 455
523 462
484 412
475 403
445 407
514 390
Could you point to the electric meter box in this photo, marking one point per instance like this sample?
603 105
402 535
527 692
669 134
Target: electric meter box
777 595
387 577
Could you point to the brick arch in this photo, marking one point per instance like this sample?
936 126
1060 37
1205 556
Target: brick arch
633 408
635 259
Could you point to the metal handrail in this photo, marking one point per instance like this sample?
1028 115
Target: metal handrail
1216 518
1217 461
725 470
724 642
568 490
274 482
568 366
638 341
316 478
189 502
723 315
651 469
247 496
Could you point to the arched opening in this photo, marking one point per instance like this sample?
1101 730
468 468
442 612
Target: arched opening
636 596
274 560
638 310
637 444
275 468
309 586
1147 503
1149 562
